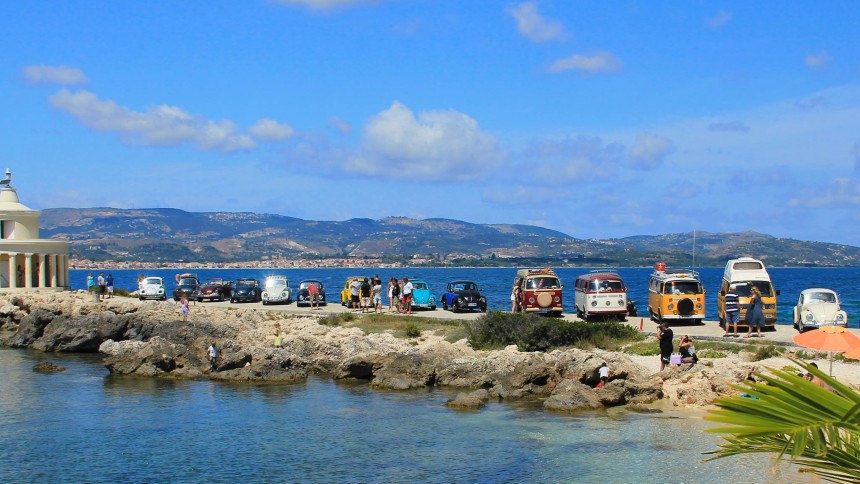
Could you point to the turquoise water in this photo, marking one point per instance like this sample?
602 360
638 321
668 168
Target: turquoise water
85 426
496 283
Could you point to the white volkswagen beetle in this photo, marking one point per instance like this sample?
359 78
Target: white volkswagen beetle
818 307
152 288
277 290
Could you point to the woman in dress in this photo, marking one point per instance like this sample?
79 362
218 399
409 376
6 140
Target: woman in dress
754 317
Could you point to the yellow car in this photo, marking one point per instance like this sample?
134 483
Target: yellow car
345 292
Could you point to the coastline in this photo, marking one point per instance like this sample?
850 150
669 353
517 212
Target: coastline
147 339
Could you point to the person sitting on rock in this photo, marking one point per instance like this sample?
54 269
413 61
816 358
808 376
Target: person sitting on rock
604 373
687 350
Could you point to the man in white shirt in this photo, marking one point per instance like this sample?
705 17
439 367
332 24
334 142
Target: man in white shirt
407 295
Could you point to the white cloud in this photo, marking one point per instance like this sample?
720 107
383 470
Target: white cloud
572 159
158 125
268 129
340 124
838 193
592 63
54 75
649 150
721 18
817 60
535 27
322 4
437 145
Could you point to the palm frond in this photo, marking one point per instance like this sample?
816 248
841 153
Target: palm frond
788 415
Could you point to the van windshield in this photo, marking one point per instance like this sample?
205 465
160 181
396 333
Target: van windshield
742 289
543 283
606 286
683 287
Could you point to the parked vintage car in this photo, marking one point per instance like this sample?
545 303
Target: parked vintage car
421 296
345 292
302 297
246 289
818 307
214 289
540 291
186 286
463 296
277 290
152 288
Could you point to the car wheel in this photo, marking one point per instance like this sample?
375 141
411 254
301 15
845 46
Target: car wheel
265 302
200 299
432 308
142 298
164 298
444 304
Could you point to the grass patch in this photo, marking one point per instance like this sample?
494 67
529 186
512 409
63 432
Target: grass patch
337 319
764 352
531 332
408 326
705 349
643 348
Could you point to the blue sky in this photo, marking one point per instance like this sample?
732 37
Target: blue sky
598 119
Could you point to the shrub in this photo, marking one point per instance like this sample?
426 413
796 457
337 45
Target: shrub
531 332
336 319
711 354
118 291
412 331
765 352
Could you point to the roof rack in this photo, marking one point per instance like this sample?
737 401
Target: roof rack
605 271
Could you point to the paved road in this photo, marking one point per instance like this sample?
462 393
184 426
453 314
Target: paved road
709 330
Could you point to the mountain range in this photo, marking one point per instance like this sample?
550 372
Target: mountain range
172 235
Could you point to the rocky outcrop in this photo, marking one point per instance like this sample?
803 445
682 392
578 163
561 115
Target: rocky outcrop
48 367
148 339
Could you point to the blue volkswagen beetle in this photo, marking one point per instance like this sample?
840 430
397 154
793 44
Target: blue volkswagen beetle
421 296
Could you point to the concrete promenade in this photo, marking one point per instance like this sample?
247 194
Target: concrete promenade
709 330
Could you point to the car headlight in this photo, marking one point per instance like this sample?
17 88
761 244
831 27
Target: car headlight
670 306
810 317
620 302
840 317
432 299
557 299
699 306
593 303
531 300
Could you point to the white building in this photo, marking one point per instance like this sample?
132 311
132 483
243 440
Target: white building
26 261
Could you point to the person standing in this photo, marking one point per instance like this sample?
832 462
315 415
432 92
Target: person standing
214 354
755 315
407 296
732 310
102 287
395 295
515 296
109 284
354 290
665 335
376 290
90 282
314 296
183 304
364 292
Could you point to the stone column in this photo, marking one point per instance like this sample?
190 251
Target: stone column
28 270
13 270
42 261
54 268
64 271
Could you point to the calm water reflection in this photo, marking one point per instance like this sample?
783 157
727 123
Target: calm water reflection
82 425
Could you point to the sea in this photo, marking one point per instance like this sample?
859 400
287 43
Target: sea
495 283
85 425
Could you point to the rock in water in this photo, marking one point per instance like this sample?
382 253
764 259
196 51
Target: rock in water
48 367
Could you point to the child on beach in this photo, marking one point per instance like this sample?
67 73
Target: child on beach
183 303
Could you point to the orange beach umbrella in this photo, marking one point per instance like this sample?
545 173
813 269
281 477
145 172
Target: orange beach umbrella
833 339
855 354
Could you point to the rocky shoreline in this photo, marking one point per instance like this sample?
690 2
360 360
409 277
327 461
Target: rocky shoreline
149 339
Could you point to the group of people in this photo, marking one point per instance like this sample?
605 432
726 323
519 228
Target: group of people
366 295
754 318
102 285
686 348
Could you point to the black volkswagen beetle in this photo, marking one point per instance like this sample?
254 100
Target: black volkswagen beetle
302 297
246 289
463 296
186 286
